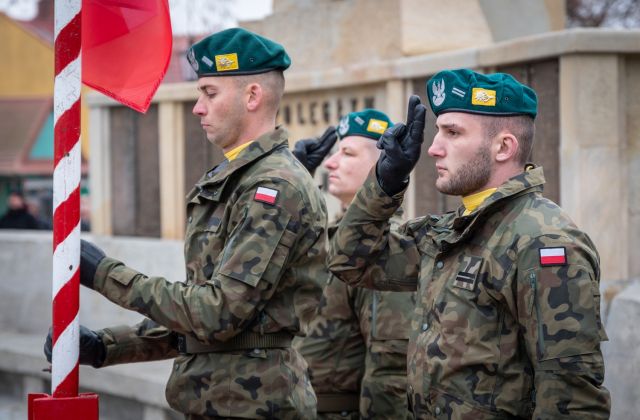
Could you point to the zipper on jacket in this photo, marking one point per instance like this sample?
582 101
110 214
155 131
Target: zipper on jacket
374 314
534 283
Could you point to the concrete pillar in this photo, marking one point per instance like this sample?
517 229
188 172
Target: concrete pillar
171 148
33 385
621 355
153 413
593 161
503 17
100 170
632 90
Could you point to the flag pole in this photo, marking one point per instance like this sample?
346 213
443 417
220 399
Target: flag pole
66 198
65 401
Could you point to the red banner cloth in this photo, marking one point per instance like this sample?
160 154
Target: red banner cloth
126 48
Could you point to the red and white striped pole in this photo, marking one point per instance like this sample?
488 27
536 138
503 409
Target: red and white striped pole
66 198
65 401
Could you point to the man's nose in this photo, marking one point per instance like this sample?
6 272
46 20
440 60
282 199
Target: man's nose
331 162
199 109
435 150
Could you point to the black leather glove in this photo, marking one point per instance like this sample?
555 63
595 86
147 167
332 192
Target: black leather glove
311 152
401 146
92 349
90 257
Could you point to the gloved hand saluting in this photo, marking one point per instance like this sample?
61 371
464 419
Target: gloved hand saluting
90 257
92 350
400 146
311 152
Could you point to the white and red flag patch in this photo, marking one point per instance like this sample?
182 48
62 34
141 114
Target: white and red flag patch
266 195
553 256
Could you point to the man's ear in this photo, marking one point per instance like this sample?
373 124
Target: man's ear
254 95
506 145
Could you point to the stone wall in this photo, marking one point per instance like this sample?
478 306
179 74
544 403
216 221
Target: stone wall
26 278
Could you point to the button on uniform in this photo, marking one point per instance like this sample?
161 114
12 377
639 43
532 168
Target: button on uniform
438 411
425 326
439 264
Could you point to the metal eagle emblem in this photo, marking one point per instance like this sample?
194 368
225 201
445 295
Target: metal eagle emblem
343 127
438 92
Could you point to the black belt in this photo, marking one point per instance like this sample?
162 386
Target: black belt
336 403
244 341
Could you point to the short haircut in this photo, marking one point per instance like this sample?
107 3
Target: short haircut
272 83
521 126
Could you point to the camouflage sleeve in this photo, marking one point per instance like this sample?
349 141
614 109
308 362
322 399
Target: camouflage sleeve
251 265
365 251
558 308
144 342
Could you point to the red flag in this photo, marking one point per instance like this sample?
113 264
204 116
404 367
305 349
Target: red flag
126 48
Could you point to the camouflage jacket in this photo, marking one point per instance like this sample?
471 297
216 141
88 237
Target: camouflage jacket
357 344
499 331
255 243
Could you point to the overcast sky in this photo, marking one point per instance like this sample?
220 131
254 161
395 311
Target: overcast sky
251 9
180 9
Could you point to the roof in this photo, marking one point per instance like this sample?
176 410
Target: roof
43 24
26 126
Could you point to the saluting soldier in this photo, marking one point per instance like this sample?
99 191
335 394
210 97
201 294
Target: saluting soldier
357 344
254 245
507 323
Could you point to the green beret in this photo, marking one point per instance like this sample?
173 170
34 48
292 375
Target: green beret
236 51
464 90
369 123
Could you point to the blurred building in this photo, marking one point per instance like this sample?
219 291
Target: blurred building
26 110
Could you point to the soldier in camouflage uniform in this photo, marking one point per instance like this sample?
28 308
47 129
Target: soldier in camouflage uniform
357 344
507 323
254 248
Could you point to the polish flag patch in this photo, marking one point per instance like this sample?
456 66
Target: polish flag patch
553 256
266 195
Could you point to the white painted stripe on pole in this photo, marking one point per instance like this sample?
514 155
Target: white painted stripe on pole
65 353
67 174
66 260
64 12
66 88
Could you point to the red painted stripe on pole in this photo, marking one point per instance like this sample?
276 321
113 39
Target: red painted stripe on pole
67 301
66 217
66 387
66 132
67 44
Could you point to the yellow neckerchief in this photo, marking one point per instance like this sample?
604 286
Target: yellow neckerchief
471 202
233 153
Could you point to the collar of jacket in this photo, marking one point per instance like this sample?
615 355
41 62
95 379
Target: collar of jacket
263 145
526 182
